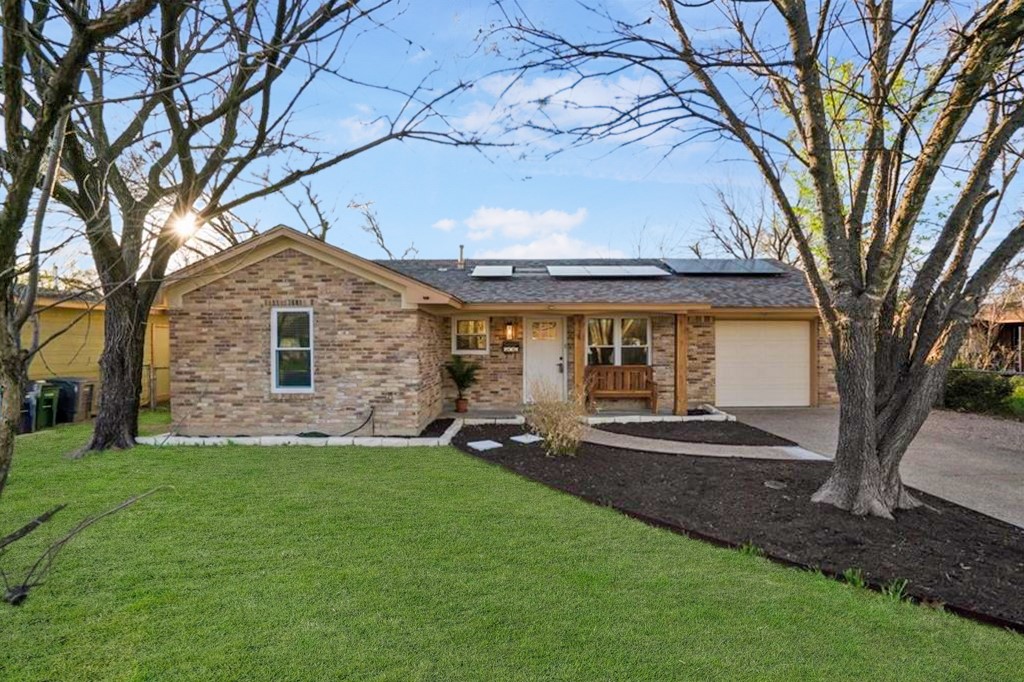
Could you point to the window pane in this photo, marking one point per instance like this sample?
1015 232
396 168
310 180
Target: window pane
634 355
471 327
293 369
634 331
470 342
601 331
601 356
293 330
543 331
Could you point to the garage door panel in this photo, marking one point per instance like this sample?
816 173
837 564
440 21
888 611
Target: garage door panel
762 363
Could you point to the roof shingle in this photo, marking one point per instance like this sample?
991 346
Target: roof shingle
786 290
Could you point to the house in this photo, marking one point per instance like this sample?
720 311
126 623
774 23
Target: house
74 320
284 334
1003 328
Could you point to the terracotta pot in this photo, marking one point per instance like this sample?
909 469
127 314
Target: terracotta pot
461 405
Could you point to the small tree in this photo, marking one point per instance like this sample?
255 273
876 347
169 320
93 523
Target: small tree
463 374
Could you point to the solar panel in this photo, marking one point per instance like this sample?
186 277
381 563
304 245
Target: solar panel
723 266
486 271
598 271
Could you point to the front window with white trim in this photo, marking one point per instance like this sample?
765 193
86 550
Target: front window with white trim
618 341
470 336
291 332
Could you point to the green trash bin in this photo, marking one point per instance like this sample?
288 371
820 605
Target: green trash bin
46 408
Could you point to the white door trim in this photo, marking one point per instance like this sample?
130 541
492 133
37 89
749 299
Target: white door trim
526 349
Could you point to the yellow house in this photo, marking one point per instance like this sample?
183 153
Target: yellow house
76 351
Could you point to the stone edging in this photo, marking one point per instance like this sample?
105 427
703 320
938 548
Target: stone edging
169 440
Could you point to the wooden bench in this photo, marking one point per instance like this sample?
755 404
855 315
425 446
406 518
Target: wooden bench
625 381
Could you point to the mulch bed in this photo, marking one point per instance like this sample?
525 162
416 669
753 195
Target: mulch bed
948 554
436 428
713 432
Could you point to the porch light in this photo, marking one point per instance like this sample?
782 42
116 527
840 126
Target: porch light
510 330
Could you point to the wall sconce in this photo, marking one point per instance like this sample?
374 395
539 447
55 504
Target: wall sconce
510 329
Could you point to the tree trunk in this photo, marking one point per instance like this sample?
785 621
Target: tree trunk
124 325
10 412
856 482
865 478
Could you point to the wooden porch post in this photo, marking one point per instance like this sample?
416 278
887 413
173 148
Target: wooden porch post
579 349
682 348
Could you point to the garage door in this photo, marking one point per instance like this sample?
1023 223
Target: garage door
762 364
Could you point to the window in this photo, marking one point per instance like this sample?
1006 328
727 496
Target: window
470 336
291 331
543 331
618 341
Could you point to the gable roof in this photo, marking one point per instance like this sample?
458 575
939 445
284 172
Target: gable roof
443 282
282 238
787 289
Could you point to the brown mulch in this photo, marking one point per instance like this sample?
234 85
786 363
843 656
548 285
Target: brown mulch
713 432
436 428
948 554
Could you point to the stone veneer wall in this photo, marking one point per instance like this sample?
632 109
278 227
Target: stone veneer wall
700 360
433 353
663 355
828 394
499 383
367 353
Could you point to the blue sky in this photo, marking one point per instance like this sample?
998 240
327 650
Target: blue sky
499 202
509 202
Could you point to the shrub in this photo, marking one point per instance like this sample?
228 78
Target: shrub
558 421
1015 403
463 373
972 391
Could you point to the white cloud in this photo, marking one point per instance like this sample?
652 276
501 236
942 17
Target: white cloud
486 222
360 130
445 225
558 245
517 106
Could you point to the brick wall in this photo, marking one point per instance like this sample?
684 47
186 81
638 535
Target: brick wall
827 392
433 353
499 383
700 358
367 353
663 338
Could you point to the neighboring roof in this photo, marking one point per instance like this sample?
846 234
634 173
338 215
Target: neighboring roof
1010 315
788 289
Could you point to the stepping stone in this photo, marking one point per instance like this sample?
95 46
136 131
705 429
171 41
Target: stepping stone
481 445
527 439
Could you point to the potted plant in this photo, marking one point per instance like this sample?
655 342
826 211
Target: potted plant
463 374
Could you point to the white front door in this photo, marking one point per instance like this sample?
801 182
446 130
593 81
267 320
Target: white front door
544 356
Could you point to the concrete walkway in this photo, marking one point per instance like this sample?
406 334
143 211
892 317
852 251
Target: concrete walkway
671 447
969 459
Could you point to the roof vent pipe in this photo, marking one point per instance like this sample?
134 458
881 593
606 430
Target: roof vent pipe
462 259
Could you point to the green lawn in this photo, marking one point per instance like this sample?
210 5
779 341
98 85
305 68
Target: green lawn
312 563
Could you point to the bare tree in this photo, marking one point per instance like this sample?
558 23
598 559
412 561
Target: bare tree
753 230
929 98
212 128
44 53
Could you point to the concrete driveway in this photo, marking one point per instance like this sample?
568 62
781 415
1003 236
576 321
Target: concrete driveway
969 459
